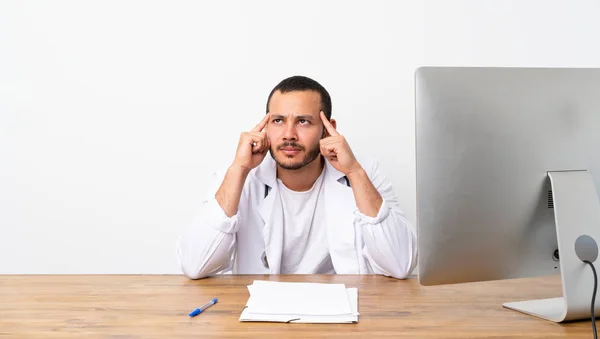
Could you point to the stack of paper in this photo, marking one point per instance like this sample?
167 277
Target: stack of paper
272 301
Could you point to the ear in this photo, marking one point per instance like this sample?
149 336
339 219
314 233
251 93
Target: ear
333 123
325 133
268 122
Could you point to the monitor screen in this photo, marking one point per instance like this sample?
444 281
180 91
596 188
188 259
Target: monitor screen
486 139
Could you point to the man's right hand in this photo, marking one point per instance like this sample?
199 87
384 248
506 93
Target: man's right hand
251 151
252 147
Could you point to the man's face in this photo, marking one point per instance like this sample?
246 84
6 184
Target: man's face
295 128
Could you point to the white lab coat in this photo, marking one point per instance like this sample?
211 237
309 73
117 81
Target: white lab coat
358 244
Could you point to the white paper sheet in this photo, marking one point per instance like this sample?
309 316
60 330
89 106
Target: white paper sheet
301 303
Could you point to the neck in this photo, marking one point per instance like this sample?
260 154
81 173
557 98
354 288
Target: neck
301 179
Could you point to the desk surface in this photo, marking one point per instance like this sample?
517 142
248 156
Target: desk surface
151 306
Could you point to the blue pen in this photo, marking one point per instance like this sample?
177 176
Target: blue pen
203 307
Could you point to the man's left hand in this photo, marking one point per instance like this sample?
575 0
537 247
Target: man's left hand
335 148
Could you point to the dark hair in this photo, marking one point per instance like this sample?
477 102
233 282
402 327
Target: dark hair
302 83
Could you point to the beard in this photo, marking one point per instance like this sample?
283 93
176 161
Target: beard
289 164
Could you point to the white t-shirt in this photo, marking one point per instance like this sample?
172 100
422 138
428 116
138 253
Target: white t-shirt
305 246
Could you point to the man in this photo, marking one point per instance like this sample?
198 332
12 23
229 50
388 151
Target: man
309 206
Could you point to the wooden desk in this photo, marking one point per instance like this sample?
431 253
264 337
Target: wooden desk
117 306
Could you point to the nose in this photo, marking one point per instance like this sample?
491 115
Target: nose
289 133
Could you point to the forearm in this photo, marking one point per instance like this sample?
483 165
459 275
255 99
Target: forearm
390 244
230 191
206 246
203 251
368 200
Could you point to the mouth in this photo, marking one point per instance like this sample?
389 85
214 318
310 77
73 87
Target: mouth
290 151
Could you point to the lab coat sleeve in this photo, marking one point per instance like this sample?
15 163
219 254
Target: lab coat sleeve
206 246
390 243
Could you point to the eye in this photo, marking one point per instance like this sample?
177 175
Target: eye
276 121
303 122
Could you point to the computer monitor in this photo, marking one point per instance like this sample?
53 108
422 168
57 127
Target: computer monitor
505 157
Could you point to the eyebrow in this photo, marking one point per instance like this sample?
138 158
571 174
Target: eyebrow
303 117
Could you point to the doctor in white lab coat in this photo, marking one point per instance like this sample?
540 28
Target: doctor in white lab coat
296 200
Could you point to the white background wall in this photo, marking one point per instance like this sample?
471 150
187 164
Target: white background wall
114 113
521 33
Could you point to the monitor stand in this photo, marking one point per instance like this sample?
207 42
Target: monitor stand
576 213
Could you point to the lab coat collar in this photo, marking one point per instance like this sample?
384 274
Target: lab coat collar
266 172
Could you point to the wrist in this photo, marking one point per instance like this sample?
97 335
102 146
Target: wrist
239 170
357 174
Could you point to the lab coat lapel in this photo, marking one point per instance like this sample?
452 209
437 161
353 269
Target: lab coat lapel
339 208
271 212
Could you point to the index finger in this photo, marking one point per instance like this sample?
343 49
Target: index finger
328 126
262 123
